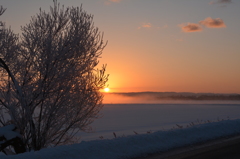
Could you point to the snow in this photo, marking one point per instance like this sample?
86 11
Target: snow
123 119
7 132
137 145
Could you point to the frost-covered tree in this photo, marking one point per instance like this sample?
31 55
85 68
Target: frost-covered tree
49 84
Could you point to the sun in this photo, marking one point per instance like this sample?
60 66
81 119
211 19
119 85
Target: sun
106 89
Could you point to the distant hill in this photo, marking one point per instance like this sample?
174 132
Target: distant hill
181 96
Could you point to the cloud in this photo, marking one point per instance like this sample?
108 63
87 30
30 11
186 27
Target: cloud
114 0
190 27
213 23
150 25
145 25
221 1
224 1
108 2
208 22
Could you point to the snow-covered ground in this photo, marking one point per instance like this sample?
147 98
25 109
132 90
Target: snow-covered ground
136 145
124 119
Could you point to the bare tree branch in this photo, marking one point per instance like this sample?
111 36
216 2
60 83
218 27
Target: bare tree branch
49 81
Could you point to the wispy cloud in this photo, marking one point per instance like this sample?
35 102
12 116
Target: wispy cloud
213 23
150 25
108 2
114 0
190 27
224 1
221 2
145 25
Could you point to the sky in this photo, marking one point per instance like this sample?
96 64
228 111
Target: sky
158 45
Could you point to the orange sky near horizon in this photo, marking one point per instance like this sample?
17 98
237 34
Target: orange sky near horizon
160 56
189 73
161 46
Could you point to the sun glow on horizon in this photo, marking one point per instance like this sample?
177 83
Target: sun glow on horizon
106 89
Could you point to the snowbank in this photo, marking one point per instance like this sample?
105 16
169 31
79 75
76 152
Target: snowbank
8 133
137 145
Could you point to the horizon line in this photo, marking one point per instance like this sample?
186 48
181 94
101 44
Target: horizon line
165 92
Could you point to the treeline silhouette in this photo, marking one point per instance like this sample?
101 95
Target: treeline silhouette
181 96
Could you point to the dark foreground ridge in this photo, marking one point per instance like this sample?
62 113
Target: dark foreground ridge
224 148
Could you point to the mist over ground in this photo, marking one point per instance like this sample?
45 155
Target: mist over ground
169 97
